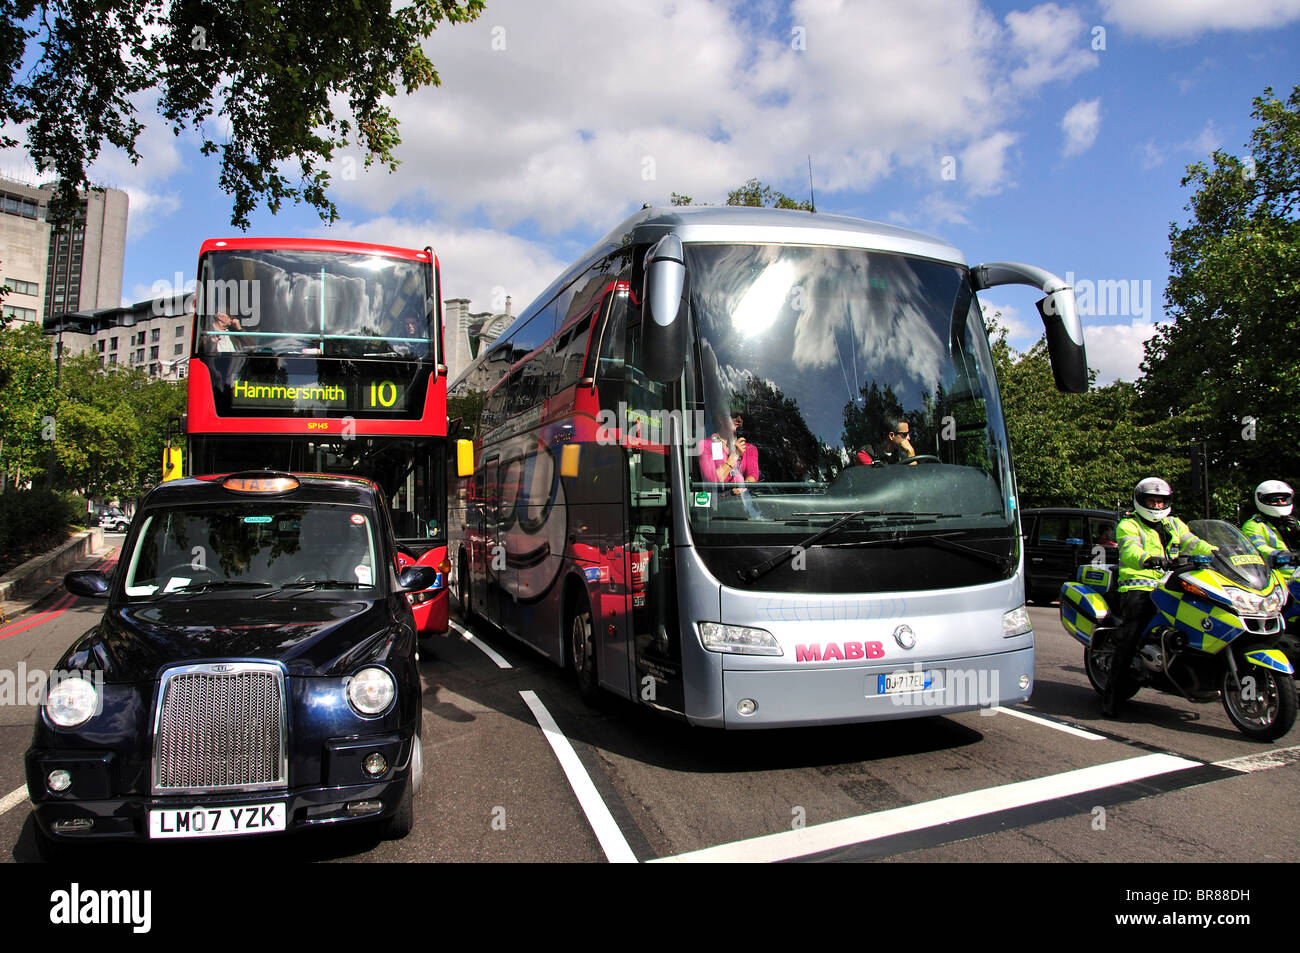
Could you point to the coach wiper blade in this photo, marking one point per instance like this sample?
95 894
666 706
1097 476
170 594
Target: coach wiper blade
766 565
942 540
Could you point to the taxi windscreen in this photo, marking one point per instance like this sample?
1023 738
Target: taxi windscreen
252 545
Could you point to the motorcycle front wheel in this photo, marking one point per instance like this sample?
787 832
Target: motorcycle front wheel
1264 708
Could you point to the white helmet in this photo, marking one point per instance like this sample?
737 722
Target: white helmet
1273 498
1153 487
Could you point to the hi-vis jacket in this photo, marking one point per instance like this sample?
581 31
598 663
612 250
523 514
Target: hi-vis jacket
1265 536
1139 539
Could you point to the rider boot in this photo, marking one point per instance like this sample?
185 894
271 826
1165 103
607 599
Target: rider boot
1135 606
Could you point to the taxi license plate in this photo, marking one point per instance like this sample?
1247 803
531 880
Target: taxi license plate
903 682
217 821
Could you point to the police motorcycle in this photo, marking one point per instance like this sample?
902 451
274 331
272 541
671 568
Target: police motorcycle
1216 632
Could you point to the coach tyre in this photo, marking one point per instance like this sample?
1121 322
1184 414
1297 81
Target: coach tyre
462 588
1270 713
582 648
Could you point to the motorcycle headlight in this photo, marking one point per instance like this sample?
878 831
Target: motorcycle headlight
371 691
1273 601
71 702
1244 601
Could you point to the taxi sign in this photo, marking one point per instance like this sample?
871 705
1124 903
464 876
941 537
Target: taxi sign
260 483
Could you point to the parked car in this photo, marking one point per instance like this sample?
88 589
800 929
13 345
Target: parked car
114 520
1058 541
254 671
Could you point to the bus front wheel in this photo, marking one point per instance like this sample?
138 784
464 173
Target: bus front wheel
582 649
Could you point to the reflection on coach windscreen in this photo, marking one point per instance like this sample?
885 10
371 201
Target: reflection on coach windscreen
816 348
314 302
252 544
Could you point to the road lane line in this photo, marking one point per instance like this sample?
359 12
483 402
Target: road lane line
868 827
1277 758
1059 726
598 816
474 640
53 612
13 799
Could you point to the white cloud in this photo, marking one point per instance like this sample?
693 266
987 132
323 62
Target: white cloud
1021 334
1081 123
1185 19
1115 350
476 263
568 128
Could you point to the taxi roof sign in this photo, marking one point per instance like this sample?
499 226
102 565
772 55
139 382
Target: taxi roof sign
260 483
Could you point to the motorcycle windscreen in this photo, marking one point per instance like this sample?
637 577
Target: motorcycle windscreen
1235 556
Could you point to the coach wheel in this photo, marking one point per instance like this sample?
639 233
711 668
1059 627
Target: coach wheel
463 593
582 650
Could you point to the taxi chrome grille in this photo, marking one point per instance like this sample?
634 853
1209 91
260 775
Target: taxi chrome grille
221 727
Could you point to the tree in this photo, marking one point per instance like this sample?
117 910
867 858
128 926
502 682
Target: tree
27 383
1227 370
270 74
752 193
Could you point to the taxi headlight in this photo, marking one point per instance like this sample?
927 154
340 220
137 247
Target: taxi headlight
738 639
1016 622
371 691
71 702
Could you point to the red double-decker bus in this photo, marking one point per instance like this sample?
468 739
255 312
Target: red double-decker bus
315 356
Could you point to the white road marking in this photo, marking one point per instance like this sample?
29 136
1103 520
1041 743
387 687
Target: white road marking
1277 758
914 817
598 816
474 640
1068 729
13 799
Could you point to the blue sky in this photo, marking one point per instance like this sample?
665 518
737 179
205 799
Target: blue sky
1054 134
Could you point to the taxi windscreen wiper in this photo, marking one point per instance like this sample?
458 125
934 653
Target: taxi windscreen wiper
898 517
218 584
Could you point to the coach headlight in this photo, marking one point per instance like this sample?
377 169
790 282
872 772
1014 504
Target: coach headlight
1016 622
371 691
738 639
71 702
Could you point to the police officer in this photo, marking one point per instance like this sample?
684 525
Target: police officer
1273 528
1149 539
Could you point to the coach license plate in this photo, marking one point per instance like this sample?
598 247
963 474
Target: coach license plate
903 682
217 821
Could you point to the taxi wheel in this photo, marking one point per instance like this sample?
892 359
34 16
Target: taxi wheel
582 650
1264 709
400 824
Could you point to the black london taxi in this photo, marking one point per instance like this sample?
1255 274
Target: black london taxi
255 671
1060 540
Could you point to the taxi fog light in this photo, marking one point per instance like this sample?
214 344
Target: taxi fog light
371 690
73 826
71 702
1016 622
375 764
358 808
58 781
746 706
738 639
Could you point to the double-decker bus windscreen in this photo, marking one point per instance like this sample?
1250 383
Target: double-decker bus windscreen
333 304
818 353
410 470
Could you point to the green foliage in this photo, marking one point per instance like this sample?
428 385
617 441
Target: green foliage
755 193
467 407
33 520
269 76
679 199
27 383
1076 450
1227 370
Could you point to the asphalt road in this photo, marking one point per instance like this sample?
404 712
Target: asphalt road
1049 781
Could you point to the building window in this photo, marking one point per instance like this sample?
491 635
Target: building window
18 286
101 346
178 350
112 359
180 329
112 344
22 314
154 335
153 354
139 356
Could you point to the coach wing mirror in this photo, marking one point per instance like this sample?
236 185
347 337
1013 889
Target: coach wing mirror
464 458
86 582
1060 314
663 325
